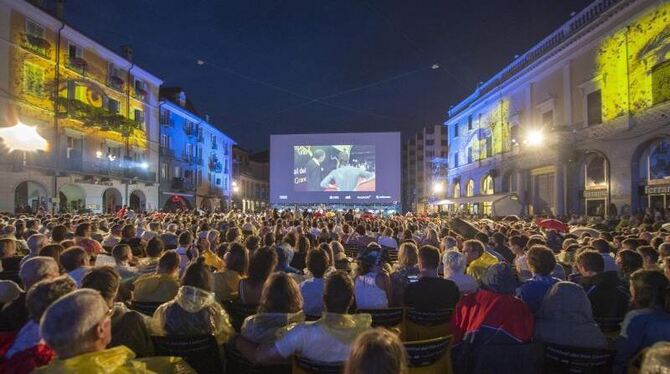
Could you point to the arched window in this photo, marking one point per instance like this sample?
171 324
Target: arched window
487 185
659 160
595 171
470 188
509 182
457 191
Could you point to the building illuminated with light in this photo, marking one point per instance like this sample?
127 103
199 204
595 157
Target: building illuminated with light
424 166
577 124
97 110
195 157
251 173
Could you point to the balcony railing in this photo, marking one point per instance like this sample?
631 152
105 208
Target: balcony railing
115 82
35 44
77 64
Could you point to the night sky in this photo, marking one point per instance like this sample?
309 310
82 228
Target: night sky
271 67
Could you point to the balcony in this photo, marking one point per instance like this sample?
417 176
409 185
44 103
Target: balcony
166 152
215 166
77 64
115 82
189 130
96 117
35 44
215 146
140 93
181 184
200 137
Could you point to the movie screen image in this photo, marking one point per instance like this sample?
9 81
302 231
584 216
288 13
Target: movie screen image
329 168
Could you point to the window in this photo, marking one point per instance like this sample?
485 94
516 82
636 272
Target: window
594 108
487 185
139 85
470 122
139 117
469 155
595 170
470 188
177 172
430 142
74 51
76 91
164 170
455 130
33 80
660 83
488 149
112 105
33 29
164 116
456 159
514 133
548 119
165 141
189 151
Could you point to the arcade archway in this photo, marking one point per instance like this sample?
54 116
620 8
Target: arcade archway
29 196
111 200
137 201
72 198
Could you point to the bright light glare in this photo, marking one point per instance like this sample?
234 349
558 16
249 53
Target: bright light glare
236 188
144 165
535 138
24 138
98 154
438 187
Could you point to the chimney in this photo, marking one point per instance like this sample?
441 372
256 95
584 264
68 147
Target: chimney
127 52
60 7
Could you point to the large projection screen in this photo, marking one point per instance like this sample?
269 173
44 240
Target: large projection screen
348 168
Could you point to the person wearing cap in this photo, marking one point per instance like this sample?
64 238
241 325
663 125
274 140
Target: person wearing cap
491 316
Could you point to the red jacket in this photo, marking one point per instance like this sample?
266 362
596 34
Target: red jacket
28 360
485 313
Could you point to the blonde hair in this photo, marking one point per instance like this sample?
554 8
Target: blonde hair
377 351
408 254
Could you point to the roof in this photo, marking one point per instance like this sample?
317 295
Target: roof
172 94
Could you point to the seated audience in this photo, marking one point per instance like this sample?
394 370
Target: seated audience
371 286
541 262
10 260
227 281
477 259
430 291
627 261
404 271
603 247
186 250
649 257
83 239
565 318
128 326
194 311
454 270
609 299
35 242
261 266
28 350
169 237
281 305
129 237
329 339
75 262
154 251
656 359
649 321
161 286
78 328
377 351
123 254
311 288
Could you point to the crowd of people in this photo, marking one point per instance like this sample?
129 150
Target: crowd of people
69 284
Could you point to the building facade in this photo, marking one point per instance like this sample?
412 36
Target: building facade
577 124
195 157
97 110
424 168
251 180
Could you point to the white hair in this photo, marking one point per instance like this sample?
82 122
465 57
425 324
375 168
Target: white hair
36 242
454 263
37 268
67 323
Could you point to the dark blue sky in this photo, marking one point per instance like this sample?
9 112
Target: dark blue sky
292 66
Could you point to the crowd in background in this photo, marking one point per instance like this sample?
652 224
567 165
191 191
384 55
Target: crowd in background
69 283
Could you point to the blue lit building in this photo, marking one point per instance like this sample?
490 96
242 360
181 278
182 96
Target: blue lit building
195 157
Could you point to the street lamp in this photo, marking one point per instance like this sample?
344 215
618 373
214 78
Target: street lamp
534 138
438 187
21 137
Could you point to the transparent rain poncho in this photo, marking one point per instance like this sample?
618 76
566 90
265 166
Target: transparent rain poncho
262 327
193 311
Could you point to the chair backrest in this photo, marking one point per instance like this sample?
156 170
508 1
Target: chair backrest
609 324
430 356
146 308
237 363
503 359
201 351
11 275
422 325
558 358
238 312
390 317
303 365
311 317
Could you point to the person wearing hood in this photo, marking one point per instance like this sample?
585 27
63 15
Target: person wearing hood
284 257
490 316
128 326
194 311
281 304
478 260
162 285
565 318
328 339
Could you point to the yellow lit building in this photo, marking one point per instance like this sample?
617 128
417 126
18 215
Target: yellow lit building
577 124
98 111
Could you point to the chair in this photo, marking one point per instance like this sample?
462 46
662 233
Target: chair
390 317
564 359
312 317
11 275
426 324
238 313
609 325
238 364
504 359
430 356
302 365
201 352
145 307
